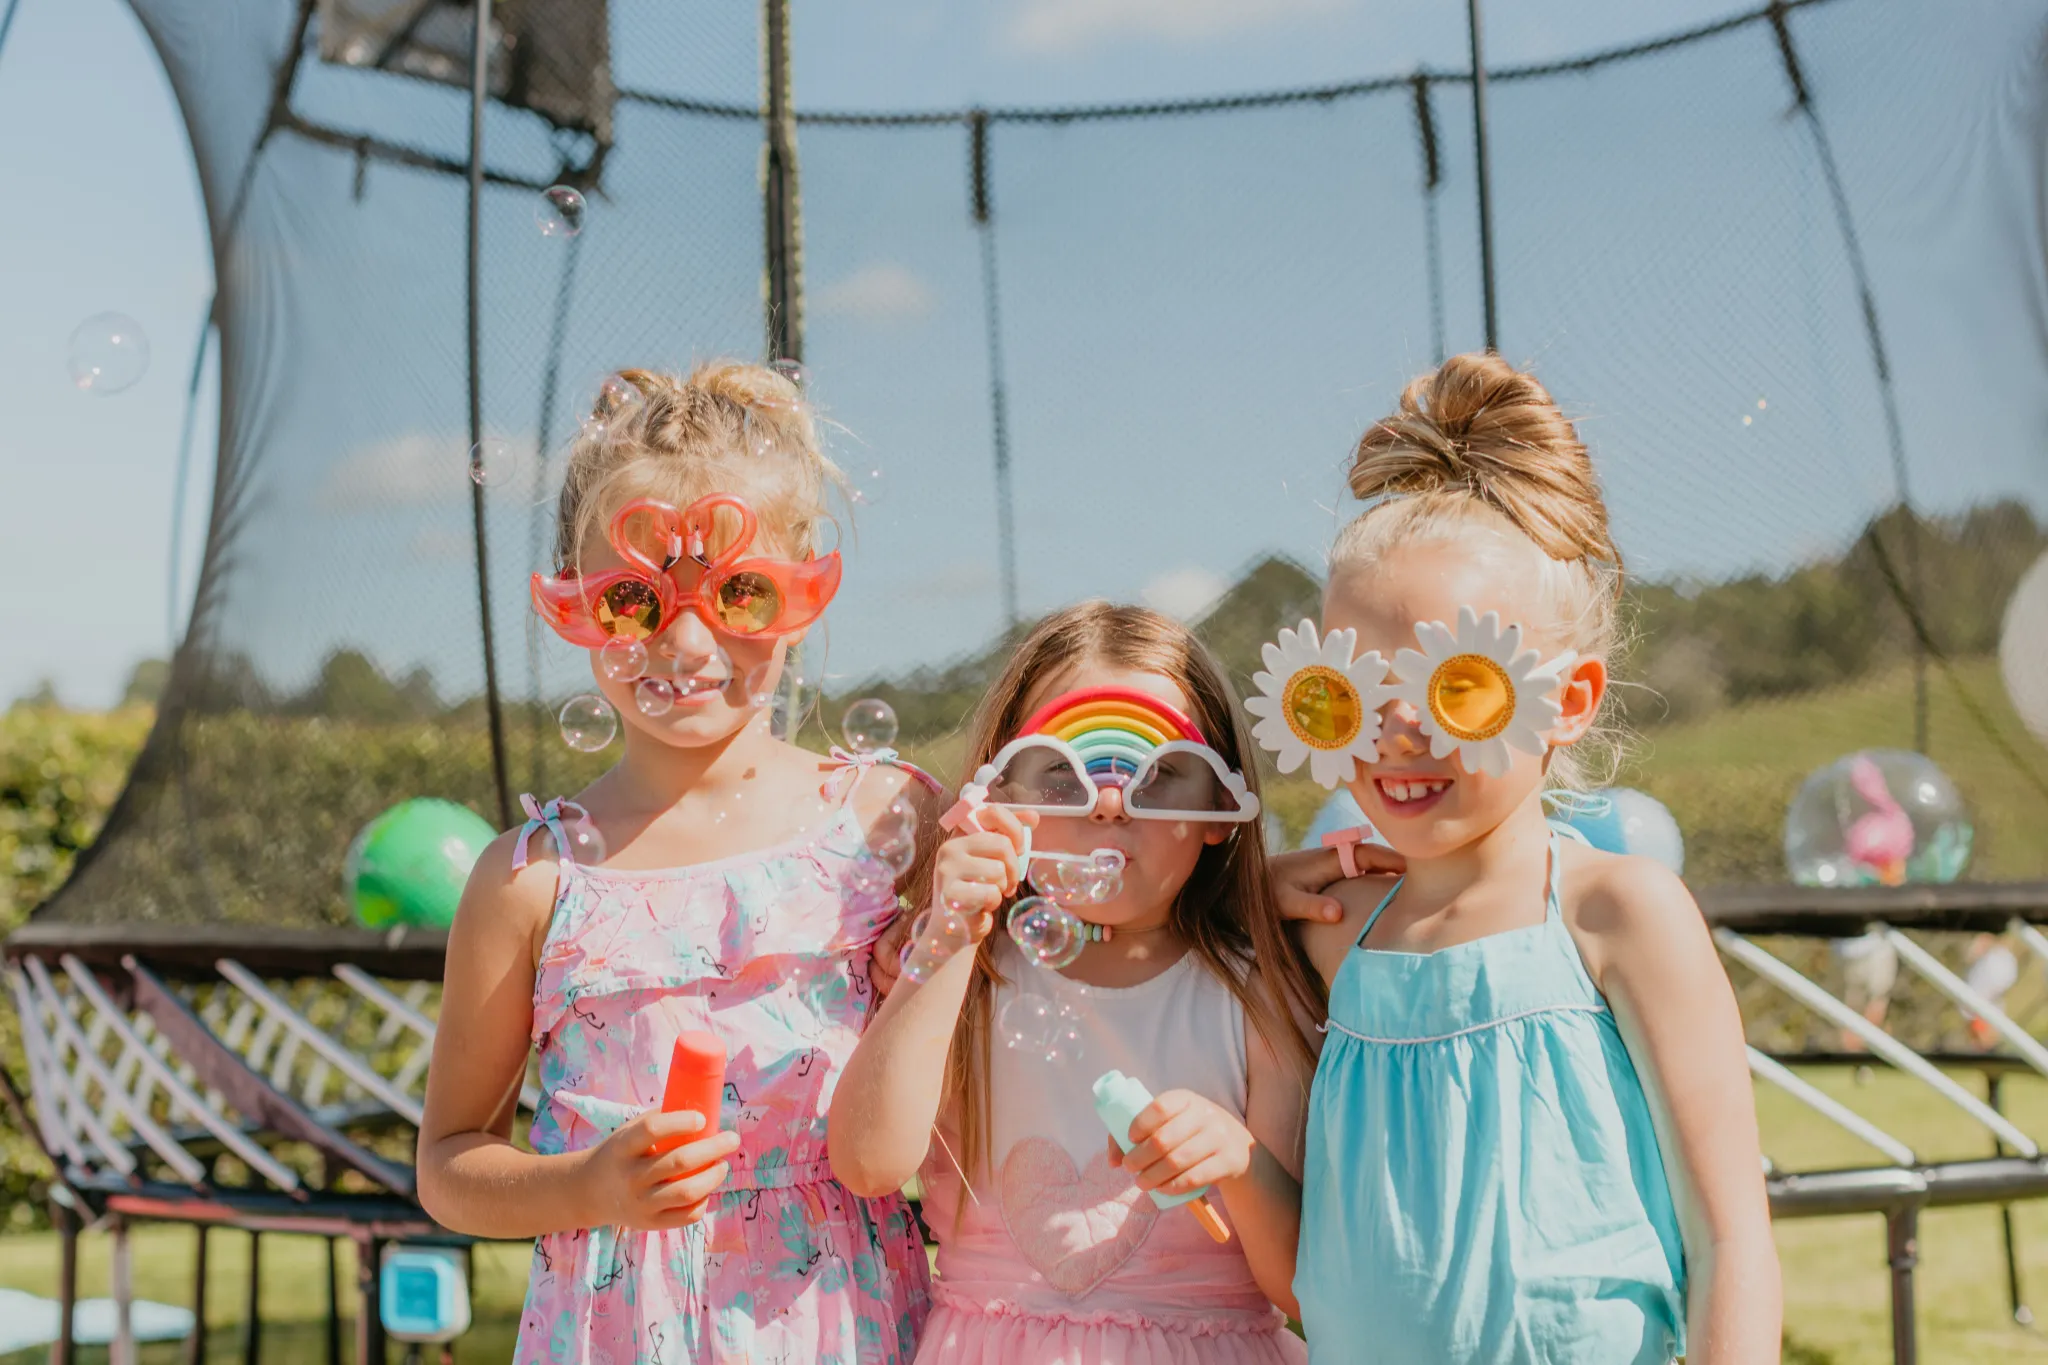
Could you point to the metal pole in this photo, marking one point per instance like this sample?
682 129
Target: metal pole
1902 1250
784 232
370 1306
1485 174
480 68
981 204
1994 1087
64 1351
252 1341
195 1345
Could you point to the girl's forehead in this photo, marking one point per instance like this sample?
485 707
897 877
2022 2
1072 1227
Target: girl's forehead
1384 600
1092 673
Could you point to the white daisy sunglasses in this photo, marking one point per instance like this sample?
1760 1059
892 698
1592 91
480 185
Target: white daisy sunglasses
1475 691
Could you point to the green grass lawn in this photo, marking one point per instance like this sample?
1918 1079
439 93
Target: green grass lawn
1837 1309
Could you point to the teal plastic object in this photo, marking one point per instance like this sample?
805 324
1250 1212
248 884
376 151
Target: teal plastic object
409 864
1119 1099
423 1294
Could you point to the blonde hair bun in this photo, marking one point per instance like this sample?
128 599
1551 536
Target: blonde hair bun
1477 427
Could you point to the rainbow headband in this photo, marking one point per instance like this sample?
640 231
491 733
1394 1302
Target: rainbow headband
1113 729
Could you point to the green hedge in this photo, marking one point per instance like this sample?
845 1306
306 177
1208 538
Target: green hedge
59 774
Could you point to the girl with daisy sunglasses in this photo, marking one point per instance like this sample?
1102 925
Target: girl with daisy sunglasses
1531 1134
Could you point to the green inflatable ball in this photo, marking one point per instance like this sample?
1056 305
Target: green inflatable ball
408 865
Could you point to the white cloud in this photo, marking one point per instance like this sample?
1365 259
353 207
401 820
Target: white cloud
418 468
1184 593
882 291
1063 26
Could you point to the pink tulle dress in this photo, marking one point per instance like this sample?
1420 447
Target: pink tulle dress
1057 1258
769 950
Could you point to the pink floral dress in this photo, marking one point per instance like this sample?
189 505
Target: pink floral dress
769 950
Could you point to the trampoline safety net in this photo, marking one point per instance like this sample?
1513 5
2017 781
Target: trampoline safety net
1789 272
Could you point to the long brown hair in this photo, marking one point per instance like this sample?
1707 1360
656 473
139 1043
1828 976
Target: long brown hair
1225 914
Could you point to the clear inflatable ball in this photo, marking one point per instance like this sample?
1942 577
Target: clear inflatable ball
1878 817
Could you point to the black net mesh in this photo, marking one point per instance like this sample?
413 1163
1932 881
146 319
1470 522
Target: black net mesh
1795 290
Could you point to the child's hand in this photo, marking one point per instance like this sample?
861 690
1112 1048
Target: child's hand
627 1185
977 870
885 964
1181 1142
1300 877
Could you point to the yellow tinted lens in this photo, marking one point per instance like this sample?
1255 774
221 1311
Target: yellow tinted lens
1322 708
629 610
748 603
1471 697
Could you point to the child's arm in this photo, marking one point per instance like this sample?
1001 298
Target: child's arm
1183 1141
889 1094
471 1178
1648 948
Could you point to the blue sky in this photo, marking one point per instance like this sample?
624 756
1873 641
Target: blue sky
1215 366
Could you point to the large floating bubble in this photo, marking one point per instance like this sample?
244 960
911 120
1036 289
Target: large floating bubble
1048 934
559 211
490 463
1877 817
869 724
654 696
108 353
622 660
588 722
586 841
1032 1023
614 403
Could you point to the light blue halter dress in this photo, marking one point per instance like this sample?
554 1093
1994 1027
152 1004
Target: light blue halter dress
1483 1184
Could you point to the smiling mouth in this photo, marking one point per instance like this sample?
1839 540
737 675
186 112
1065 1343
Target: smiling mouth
1405 795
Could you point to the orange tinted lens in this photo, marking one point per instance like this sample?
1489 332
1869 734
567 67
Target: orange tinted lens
628 609
748 603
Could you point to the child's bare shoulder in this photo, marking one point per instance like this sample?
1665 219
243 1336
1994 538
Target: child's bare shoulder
1622 905
503 899
1328 942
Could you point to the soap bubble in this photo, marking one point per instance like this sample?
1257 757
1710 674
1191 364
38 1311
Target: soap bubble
1877 817
892 836
588 722
869 724
490 462
1032 1023
559 211
1026 1022
654 696
622 660
614 402
108 353
869 875
792 371
1047 934
938 933
791 693
1063 1035
586 841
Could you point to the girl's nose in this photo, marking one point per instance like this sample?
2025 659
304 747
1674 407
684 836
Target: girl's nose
1109 807
689 643
1401 731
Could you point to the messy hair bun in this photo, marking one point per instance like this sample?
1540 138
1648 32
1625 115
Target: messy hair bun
1480 445
726 427
1479 428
